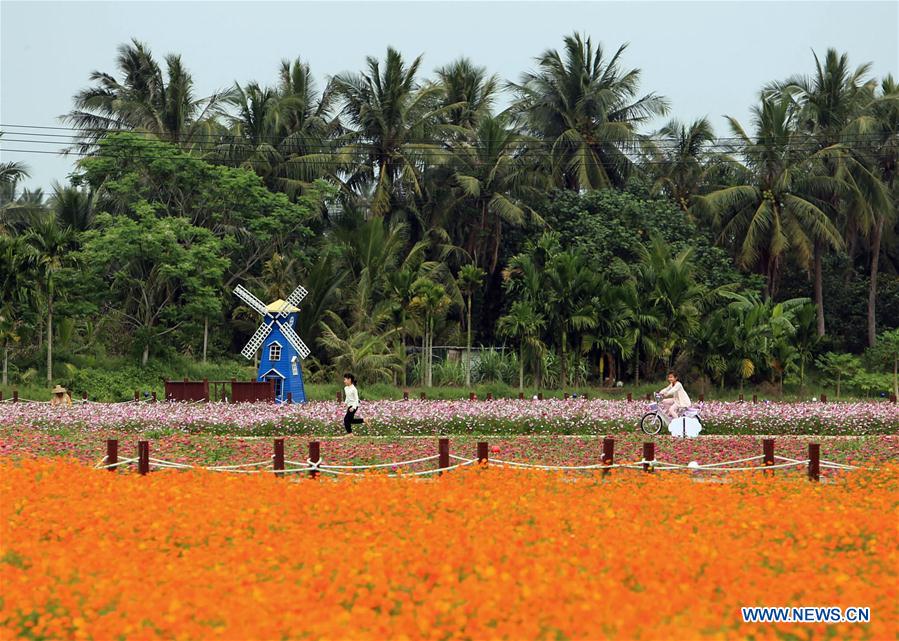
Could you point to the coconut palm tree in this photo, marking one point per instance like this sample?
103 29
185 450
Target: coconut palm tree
393 123
828 102
586 108
494 175
467 91
145 99
778 212
680 159
876 133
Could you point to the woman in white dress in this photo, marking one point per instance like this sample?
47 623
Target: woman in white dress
674 397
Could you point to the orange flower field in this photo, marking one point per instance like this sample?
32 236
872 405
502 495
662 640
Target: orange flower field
477 554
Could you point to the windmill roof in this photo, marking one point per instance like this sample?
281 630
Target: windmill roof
278 306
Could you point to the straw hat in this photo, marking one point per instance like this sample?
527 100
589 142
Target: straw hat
59 389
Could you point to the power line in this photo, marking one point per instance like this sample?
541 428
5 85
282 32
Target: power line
80 133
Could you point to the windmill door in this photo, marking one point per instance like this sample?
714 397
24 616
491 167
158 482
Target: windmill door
278 380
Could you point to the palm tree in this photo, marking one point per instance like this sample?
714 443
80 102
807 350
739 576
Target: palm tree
585 107
643 324
878 127
570 284
779 211
15 292
681 159
667 282
393 124
73 207
828 102
367 353
49 246
470 279
467 91
494 174
283 133
432 302
525 324
146 100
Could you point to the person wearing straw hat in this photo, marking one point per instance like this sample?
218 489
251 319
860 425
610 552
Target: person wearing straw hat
60 396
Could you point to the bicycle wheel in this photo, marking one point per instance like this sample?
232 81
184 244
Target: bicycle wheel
651 423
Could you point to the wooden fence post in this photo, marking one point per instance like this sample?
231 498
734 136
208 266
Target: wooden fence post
823 398
423 396
755 398
649 454
112 453
630 397
566 396
289 398
472 396
315 455
483 455
814 461
15 396
489 396
278 461
136 395
143 457
520 396
405 395
443 453
153 396
741 398
539 396
608 453
1 395
768 452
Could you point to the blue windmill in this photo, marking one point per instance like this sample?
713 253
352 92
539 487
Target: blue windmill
282 349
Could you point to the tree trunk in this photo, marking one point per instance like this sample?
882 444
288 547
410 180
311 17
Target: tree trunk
872 285
819 286
521 367
6 363
50 338
838 386
564 359
602 369
146 355
468 348
205 337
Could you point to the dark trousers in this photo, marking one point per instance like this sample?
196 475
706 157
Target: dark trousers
350 419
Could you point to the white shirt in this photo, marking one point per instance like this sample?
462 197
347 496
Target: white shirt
680 395
351 396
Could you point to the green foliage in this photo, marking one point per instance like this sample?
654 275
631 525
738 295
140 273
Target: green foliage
837 368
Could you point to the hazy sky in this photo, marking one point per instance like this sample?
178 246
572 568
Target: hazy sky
708 58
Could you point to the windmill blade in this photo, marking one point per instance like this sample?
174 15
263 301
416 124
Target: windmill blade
256 341
294 299
294 340
297 296
243 294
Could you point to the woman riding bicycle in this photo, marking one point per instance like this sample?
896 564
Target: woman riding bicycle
674 397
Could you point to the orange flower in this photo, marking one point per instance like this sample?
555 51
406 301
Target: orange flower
477 554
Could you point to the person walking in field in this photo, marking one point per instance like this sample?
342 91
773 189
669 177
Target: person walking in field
674 397
351 398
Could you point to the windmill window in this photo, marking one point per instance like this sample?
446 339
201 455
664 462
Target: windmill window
274 352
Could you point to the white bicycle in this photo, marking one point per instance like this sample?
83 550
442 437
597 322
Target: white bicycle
687 423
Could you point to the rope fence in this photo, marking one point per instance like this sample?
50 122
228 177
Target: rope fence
314 465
